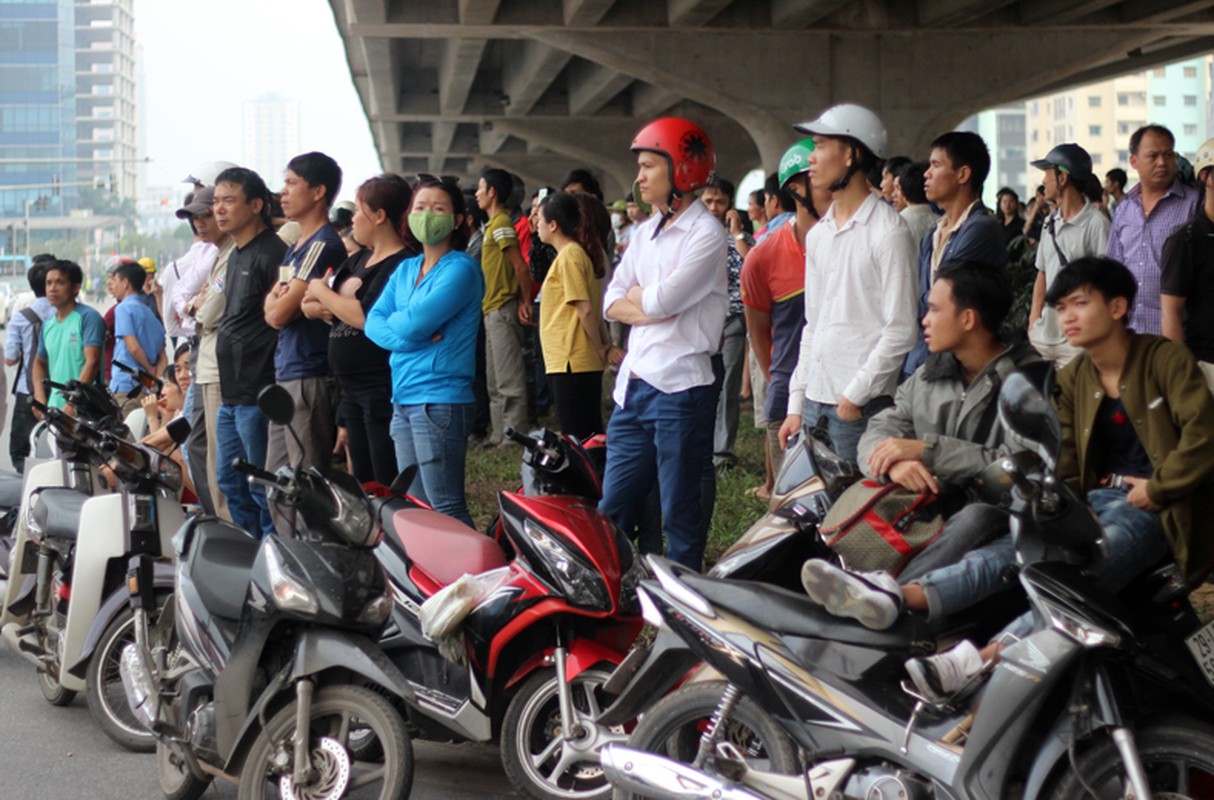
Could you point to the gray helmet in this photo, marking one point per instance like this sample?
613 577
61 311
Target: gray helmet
1070 158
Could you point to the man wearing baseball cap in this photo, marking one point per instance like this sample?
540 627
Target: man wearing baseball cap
1187 284
1075 229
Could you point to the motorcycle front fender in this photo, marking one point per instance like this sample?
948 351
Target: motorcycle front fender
163 574
317 651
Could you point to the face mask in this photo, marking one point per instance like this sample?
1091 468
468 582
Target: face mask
617 221
431 228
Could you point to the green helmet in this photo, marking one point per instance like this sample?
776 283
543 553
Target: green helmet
795 161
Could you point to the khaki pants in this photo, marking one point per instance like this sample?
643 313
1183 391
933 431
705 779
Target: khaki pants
315 423
1061 354
211 400
758 388
505 375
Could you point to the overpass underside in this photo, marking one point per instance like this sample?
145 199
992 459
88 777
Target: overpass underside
540 86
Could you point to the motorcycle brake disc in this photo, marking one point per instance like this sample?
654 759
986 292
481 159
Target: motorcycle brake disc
332 765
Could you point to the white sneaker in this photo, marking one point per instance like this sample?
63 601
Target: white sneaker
872 598
941 676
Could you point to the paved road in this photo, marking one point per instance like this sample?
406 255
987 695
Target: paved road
49 753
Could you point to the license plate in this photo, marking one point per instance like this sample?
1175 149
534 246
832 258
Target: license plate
1202 646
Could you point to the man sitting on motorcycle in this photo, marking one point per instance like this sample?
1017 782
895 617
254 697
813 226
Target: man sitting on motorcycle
1137 422
940 434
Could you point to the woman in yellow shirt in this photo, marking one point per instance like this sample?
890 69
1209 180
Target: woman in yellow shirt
573 335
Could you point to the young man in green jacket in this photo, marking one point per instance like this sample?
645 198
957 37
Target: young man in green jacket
1137 440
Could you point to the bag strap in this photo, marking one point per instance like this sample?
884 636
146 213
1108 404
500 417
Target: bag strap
35 322
1050 225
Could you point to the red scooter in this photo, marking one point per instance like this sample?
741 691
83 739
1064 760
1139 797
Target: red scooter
561 615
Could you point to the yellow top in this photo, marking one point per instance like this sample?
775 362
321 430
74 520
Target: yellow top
566 345
501 284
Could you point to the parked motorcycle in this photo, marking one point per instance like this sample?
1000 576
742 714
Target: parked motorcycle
79 543
1104 698
94 405
539 647
270 675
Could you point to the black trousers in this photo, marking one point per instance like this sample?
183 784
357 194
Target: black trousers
19 434
578 399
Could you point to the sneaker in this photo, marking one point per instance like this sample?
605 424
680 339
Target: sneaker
941 676
872 598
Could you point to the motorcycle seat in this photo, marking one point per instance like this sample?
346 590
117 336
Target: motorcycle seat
794 614
220 562
56 512
10 489
443 547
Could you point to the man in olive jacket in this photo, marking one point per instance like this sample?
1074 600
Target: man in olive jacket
1138 426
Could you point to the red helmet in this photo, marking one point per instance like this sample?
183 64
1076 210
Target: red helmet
687 148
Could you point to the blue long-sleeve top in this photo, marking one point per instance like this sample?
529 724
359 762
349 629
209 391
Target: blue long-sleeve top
430 329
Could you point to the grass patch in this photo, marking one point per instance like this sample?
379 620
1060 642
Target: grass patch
493 470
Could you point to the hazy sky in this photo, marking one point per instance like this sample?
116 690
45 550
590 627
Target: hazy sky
203 60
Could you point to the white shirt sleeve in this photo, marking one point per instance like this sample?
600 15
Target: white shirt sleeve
193 276
698 270
799 379
623 279
895 253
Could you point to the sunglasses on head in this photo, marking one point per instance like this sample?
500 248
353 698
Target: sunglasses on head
426 177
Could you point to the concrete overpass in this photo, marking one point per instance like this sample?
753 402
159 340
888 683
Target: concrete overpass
540 86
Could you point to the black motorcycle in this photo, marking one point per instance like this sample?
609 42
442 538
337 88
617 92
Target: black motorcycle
1104 699
270 675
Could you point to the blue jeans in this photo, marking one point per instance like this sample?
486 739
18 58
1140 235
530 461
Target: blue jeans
242 432
844 434
667 437
1134 538
434 436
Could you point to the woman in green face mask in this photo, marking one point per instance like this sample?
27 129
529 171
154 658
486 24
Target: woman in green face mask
427 317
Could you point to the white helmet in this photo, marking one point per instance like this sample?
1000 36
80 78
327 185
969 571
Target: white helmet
1204 158
849 119
206 172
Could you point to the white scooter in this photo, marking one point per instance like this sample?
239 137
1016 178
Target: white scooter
74 541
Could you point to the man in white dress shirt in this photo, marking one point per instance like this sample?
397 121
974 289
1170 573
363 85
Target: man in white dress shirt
670 288
860 287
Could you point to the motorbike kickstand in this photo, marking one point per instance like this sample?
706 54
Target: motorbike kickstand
303 772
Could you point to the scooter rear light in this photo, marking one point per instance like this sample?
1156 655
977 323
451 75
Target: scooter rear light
63 592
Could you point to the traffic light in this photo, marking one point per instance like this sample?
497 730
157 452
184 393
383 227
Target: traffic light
55 185
42 203
12 239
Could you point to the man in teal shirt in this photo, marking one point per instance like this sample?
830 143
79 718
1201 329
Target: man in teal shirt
72 337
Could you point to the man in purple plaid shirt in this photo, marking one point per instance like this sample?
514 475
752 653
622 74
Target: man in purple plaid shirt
1158 205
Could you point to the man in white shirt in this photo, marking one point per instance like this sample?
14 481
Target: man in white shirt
187 295
860 287
670 288
1075 229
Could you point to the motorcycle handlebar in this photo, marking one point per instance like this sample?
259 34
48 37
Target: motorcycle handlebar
529 442
255 472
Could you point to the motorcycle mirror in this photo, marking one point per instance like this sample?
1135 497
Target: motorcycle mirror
179 430
400 486
277 404
1030 419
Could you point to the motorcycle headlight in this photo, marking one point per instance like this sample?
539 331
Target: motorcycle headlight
168 474
579 582
288 593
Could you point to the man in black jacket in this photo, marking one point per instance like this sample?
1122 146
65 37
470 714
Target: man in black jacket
246 344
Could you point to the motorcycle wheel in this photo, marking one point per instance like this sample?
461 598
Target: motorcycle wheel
673 727
536 762
104 690
175 779
1178 757
53 690
334 708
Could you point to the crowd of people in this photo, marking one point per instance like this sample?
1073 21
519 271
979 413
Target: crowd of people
861 295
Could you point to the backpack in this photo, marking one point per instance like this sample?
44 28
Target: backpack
35 322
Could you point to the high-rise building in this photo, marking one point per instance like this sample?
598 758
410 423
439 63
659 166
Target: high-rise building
107 97
1101 116
271 136
68 104
37 109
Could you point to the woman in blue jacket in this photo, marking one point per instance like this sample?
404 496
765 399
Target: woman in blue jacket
427 317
